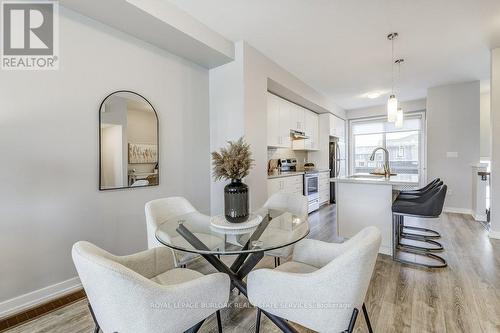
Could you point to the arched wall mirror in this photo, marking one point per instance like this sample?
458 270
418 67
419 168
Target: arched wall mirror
128 142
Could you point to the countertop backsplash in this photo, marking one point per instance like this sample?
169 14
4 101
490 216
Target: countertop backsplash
288 153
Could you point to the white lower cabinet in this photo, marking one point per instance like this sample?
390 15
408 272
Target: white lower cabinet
324 187
291 184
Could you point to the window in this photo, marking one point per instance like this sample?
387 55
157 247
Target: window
404 145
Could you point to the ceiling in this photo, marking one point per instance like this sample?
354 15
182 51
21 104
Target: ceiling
339 47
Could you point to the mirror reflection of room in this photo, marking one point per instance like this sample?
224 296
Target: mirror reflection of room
128 142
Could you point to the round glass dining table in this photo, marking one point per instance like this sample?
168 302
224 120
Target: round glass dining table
194 232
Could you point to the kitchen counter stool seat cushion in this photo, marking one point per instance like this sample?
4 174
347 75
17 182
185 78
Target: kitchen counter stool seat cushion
431 204
423 189
421 195
124 290
319 273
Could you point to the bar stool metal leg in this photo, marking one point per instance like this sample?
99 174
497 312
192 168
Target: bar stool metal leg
438 247
398 221
402 235
433 233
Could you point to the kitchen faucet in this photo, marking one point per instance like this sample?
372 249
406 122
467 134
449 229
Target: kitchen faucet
387 169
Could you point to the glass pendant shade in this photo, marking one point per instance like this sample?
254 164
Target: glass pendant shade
392 108
399 118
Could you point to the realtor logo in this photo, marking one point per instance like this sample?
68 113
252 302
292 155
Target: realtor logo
30 35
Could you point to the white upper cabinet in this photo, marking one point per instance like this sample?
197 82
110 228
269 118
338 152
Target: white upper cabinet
284 124
337 127
283 116
297 117
311 128
278 122
273 121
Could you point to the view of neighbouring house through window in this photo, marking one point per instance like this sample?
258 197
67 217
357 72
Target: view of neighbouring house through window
404 145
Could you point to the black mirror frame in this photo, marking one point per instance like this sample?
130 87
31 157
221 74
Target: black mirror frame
157 141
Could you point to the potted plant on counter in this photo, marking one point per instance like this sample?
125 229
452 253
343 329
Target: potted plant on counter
234 163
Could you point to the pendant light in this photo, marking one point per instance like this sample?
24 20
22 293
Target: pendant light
392 103
399 113
399 118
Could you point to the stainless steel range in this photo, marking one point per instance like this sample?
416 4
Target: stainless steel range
311 181
311 189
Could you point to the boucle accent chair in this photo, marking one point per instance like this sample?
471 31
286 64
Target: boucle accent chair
290 202
324 285
159 210
145 293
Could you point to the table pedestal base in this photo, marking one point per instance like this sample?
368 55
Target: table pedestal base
240 268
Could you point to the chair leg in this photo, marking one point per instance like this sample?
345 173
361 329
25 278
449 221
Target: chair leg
279 260
367 319
97 327
195 328
219 321
352 322
257 324
275 262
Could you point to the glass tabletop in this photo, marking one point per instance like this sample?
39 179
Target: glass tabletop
195 233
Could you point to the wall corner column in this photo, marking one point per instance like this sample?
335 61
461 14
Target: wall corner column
495 144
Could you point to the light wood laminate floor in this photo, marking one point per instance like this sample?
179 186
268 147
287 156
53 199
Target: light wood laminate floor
464 297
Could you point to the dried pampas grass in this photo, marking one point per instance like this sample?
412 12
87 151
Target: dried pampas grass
233 162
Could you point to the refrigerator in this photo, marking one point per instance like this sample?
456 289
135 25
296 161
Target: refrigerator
337 159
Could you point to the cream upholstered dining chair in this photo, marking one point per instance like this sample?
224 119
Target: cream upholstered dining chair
322 287
145 293
160 210
288 202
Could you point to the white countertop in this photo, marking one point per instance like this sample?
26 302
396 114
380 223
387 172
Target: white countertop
292 173
371 179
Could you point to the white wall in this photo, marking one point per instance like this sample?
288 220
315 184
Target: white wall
495 143
453 126
381 110
49 134
485 142
226 115
249 101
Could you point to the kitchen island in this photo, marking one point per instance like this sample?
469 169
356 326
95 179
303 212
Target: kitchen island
366 200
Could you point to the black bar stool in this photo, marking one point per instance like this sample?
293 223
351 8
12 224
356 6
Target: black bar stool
428 205
420 190
421 195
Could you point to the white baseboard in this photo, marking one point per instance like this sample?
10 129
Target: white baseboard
479 217
464 211
37 297
494 234
385 250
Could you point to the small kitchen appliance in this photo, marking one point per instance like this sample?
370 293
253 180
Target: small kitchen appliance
288 164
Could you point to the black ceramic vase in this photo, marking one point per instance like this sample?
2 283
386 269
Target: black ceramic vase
236 201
